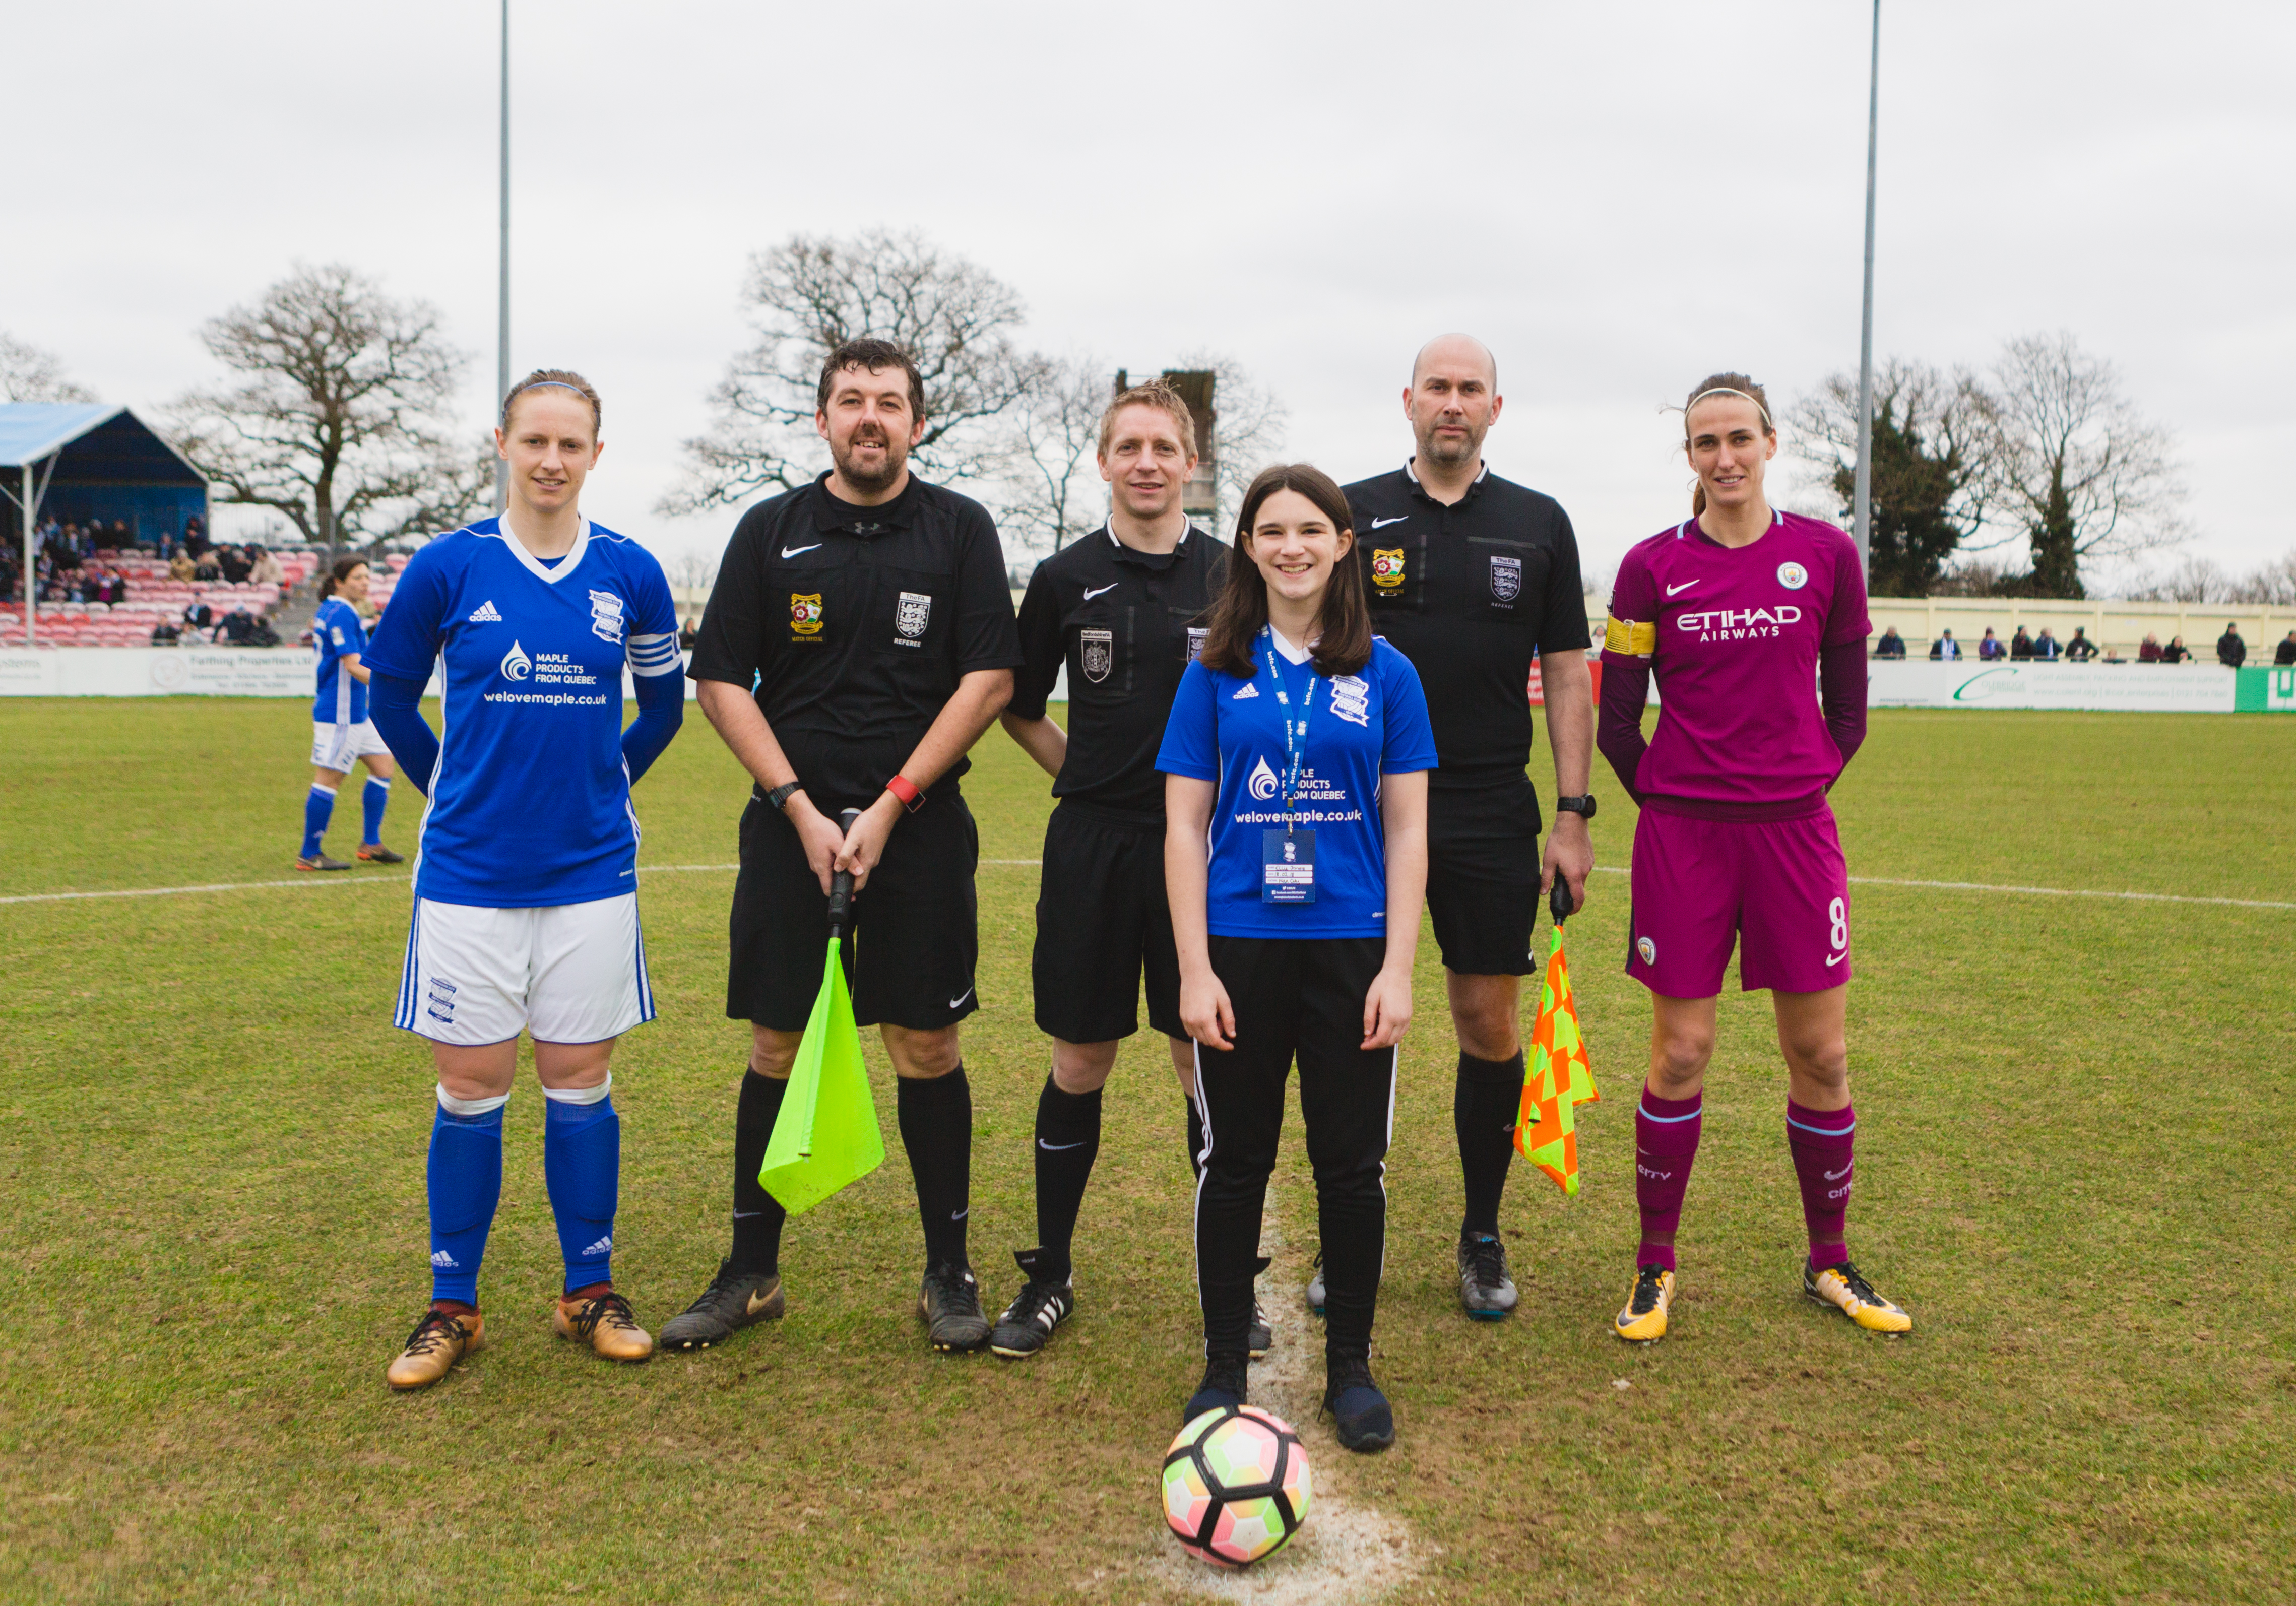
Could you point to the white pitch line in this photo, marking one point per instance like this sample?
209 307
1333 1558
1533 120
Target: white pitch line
1857 880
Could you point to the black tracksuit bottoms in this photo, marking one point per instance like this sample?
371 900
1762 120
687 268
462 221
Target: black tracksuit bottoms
1303 998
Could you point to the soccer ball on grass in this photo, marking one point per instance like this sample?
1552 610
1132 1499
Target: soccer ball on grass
1236 1485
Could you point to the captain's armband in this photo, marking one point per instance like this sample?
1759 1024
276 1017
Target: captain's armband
1629 637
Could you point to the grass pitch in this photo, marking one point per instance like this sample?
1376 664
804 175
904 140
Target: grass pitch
2073 1165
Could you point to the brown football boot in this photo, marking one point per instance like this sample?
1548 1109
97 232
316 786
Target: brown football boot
604 1323
440 1340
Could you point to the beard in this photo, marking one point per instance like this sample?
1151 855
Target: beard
859 475
1452 454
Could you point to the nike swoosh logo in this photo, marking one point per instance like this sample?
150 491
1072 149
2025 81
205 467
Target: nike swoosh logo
758 1302
1383 523
1056 1148
1110 587
960 1216
1830 962
1670 590
1837 1175
747 1214
791 552
961 996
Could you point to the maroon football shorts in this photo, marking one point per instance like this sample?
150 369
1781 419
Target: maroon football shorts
1780 888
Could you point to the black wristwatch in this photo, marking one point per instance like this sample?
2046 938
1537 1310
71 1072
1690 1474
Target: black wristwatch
778 798
1582 806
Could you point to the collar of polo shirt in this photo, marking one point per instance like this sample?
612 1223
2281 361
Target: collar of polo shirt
1411 473
832 512
1149 560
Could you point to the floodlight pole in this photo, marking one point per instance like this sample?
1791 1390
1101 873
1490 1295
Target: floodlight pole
1863 506
502 309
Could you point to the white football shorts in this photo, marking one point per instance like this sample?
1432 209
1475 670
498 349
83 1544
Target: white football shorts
570 973
340 746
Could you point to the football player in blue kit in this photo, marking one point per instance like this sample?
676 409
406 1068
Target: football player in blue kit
526 865
341 734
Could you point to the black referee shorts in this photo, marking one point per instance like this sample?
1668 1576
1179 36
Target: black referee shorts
1102 925
917 931
1482 875
1295 999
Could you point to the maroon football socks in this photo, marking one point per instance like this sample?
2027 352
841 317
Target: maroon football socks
1666 1142
1821 1141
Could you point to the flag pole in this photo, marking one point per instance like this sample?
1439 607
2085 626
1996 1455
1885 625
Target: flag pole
1863 506
502 309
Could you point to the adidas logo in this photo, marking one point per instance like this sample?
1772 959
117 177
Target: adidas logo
444 1261
485 614
602 1246
1249 690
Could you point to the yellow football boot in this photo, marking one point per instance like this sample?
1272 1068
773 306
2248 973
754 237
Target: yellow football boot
605 1324
440 1340
1643 1320
1844 1288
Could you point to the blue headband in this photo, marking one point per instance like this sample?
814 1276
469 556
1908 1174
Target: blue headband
560 383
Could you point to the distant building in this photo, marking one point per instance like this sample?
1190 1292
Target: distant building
1201 499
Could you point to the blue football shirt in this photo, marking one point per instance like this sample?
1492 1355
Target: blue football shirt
1361 726
530 804
336 631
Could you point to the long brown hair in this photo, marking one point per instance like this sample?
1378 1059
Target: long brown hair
1343 626
1744 387
340 572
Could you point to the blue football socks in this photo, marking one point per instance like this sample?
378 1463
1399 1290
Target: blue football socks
318 808
465 1179
376 799
582 1163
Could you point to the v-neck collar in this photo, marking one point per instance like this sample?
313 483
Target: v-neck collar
535 566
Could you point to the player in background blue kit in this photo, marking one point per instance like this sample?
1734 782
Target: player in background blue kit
341 734
526 869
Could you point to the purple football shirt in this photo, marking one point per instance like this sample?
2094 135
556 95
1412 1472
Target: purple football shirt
1733 635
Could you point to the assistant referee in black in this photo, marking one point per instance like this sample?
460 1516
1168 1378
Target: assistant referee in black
871 613
1122 610
1471 575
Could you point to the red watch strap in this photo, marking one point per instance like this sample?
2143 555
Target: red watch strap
911 797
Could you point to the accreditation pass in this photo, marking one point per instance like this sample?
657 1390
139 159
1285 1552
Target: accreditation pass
1287 866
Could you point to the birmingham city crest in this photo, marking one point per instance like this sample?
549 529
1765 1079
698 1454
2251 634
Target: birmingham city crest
1506 578
805 613
1387 567
1097 648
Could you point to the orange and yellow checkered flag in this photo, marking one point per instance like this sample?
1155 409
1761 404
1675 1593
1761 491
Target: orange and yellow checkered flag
1556 1076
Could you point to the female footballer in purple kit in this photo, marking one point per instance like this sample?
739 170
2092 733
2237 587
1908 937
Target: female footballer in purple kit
1736 611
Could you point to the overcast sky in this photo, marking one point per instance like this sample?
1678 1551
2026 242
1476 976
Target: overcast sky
1619 199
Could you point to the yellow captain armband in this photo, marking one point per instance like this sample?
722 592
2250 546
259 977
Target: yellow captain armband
1630 638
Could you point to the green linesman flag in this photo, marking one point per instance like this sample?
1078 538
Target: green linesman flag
827 1135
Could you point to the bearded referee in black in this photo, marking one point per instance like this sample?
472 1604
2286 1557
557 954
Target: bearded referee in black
871 613
1470 575
1121 610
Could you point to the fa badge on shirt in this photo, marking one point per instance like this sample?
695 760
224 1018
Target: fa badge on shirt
915 608
1506 578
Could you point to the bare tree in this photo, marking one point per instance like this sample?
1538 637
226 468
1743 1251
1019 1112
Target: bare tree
2200 580
339 417
1932 465
2083 474
1249 426
30 374
1053 485
809 295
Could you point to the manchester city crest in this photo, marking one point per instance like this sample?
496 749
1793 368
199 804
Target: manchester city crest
910 618
1506 578
1097 650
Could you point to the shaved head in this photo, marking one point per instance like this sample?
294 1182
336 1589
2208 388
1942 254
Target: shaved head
1455 348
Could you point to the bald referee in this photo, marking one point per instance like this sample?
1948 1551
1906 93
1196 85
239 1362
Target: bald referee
1471 575
859 640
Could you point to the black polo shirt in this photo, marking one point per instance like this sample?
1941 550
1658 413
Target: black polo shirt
855 624
1127 624
1468 592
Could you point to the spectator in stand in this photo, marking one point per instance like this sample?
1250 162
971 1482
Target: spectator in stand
2148 652
195 537
208 568
198 616
1945 648
687 633
165 634
180 567
2021 645
2231 651
2176 652
1891 645
1991 647
2080 649
267 570
2284 655
2047 649
237 564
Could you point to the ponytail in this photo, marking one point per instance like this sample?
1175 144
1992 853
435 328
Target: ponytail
337 575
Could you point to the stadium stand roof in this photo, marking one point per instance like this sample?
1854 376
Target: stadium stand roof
95 443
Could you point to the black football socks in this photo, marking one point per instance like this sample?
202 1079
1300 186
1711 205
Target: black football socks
1483 1111
758 1216
937 1130
1068 1141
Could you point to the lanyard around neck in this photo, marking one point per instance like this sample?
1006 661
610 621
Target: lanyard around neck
1295 740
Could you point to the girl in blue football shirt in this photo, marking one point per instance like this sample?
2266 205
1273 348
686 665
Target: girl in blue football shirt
1295 858
341 734
526 913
